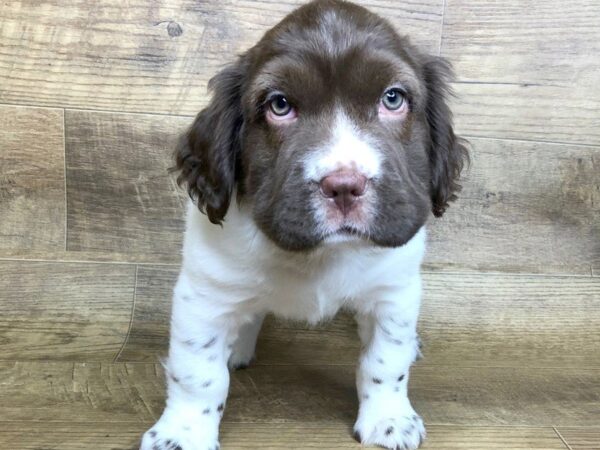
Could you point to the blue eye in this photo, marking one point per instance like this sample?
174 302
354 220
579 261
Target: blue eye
280 106
393 99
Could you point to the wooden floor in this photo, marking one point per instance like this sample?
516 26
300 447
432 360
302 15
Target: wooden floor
92 97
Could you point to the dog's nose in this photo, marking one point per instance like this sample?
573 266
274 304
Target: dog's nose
344 187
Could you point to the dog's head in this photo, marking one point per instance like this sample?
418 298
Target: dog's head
331 127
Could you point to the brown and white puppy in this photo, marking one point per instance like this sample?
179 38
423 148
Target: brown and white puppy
321 155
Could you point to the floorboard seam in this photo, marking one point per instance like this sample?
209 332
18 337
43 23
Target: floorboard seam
135 281
484 272
349 365
64 113
82 261
562 438
107 111
533 141
442 28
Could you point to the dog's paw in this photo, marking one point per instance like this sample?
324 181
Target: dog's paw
242 355
165 436
398 433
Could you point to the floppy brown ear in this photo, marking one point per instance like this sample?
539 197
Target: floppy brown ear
447 153
207 154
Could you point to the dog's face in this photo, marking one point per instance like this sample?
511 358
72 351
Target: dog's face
332 127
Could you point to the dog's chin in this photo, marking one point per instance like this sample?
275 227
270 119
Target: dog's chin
344 235
308 242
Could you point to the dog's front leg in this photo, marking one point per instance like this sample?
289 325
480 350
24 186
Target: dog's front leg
202 335
390 345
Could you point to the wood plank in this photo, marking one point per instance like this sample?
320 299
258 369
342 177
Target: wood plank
533 68
273 436
92 392
144 56
565 114
510 43
580 438
32 183
467 319
120 196
525 207
64 311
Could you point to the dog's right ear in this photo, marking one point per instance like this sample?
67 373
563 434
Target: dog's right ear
207 154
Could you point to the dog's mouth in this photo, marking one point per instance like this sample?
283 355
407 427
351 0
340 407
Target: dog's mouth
345 233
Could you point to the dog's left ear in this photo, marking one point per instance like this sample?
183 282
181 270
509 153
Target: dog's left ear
447 153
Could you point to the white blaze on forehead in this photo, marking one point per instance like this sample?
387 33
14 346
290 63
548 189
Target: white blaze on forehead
347 148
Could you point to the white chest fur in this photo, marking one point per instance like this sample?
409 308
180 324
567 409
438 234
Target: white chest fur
238 266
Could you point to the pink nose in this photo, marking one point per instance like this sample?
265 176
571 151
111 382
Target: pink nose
344 187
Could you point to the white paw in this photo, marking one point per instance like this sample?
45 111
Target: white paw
242 350
242 354
396 433
168 434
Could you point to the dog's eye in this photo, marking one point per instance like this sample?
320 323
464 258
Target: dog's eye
280 106
393 99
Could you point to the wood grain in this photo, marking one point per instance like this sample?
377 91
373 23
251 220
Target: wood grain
483 319
237 436
64 311
511 320
565 114
525 207
120 196
145 56
550 42
148 339
80 392
532 71
92 392
32 179
580 438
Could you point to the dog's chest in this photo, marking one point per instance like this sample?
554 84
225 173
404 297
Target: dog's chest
239 265
312 293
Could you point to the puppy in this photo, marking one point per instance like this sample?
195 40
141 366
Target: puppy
312 172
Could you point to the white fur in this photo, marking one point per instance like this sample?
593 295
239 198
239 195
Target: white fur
347 148
232 275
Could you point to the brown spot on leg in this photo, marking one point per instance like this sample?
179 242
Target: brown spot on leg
210 343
